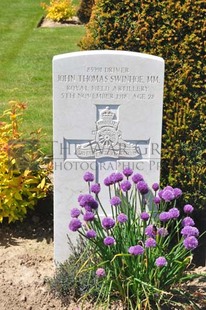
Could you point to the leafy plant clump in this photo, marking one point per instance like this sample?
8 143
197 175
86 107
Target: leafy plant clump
59 10
66 282
174 30
141 247
23 172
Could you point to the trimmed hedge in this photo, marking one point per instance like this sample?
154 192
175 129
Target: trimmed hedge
84 11
174 30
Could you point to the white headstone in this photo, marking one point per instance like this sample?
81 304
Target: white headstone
107 116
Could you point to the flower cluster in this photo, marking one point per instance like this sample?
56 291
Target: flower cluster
136 250
169 193
108 223
138 231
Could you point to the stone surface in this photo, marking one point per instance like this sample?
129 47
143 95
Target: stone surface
107 116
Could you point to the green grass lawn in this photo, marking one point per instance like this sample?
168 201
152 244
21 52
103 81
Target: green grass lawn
26 54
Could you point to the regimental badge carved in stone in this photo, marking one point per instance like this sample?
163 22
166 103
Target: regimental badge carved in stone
108 140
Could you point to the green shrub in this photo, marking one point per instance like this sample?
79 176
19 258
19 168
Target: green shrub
67 282
23 173
59 10
84 11
174 30
110 25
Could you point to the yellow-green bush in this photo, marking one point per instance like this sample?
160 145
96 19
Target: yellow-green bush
23 174
174 30
84 11
59 10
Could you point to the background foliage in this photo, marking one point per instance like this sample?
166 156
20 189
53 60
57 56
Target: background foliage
23 172
59 10
84 11
26 53
174 30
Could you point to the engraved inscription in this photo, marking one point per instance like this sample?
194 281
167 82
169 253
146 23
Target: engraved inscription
109 83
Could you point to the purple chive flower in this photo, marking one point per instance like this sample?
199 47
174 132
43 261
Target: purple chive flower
150 231
100 273
88 202
168 195
88 177
95 188
177 192
137 177
190 243
118 177
136 250
89 216
174 213
164 216
115 201
108 222
155 186
109 241
188 209
75 224
75 212
162 231
80 197
94 204
108 181
157 200
168 187
125 186
112 177
160 193
144 216
188 221
161 261
85 200
122 218
142 187
127 172
150 243
90 234
189 231
88 208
